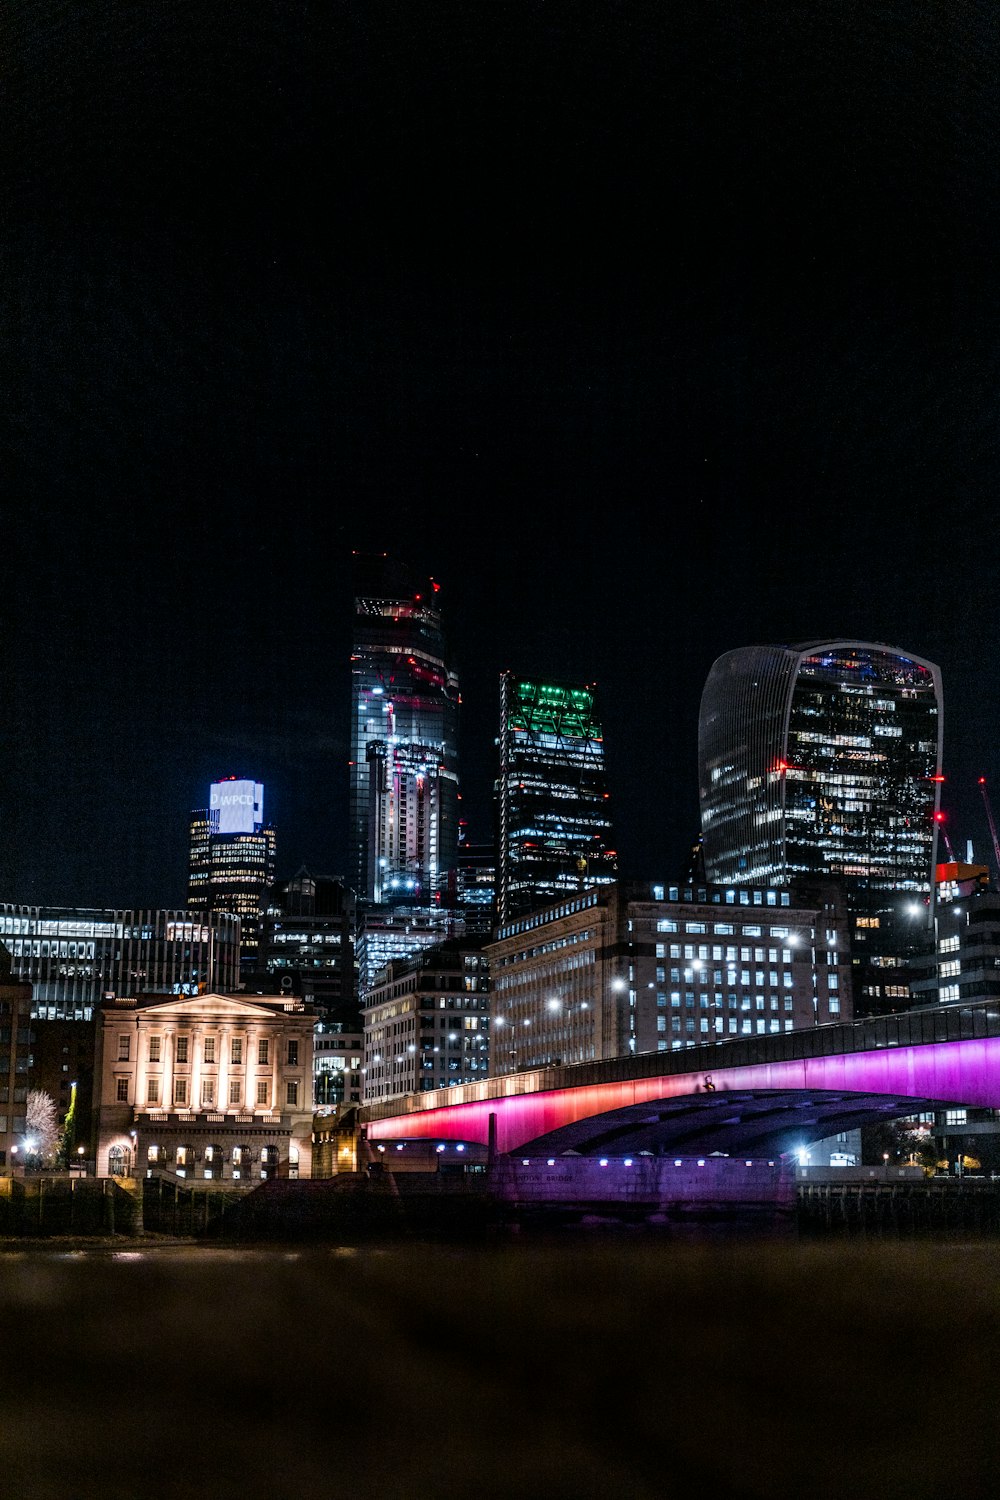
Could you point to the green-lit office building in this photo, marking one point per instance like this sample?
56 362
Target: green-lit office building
554 833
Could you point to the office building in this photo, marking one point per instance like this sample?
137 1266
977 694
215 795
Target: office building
207 1088
386 934
404 737
553 833
308 933
824 760
72 955
631 968
232 858
472 885
338 1055
427 1022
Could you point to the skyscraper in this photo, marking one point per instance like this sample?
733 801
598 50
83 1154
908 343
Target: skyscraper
552 800
823 759
404 737
232 858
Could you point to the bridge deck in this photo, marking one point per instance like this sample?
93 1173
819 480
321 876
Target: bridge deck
915 1028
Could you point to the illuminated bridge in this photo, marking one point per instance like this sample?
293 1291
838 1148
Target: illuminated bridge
755 1096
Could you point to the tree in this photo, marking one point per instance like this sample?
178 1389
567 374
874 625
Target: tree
67 1137
41 1126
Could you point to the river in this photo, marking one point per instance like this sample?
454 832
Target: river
609 1364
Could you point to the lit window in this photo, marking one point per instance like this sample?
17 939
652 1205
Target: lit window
123 1048
121 1090
152 1091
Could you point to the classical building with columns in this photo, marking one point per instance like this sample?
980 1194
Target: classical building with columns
207 1088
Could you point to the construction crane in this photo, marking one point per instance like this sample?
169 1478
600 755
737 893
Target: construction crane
993 826
939 820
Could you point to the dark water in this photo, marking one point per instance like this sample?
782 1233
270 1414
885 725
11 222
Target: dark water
601 1364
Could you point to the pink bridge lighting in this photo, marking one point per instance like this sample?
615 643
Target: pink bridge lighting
957 1072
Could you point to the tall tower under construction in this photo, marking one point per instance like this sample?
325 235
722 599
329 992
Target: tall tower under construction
404 737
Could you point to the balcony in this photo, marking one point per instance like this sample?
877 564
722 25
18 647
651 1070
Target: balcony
196 1118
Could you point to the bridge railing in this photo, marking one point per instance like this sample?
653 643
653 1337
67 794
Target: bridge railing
913 1028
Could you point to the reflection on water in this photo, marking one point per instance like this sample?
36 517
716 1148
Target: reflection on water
578 1365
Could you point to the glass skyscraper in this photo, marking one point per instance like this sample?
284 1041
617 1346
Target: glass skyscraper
552 800
822 760
404 737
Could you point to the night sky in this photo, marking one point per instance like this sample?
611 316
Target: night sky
648 330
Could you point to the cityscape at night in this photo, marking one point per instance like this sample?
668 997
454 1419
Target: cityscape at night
499 870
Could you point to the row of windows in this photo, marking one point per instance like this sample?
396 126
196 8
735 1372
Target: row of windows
209 1050
759 977
181 1095
729 951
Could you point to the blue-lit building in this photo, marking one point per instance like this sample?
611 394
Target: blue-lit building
232 859
404 737
553 825
822 760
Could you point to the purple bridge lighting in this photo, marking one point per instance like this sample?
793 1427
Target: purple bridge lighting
756 1096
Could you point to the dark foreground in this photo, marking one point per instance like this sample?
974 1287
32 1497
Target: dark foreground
613 1368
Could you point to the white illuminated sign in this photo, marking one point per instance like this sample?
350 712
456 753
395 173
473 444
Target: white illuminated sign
236 806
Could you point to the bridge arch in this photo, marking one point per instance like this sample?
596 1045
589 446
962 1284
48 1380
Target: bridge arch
771 1106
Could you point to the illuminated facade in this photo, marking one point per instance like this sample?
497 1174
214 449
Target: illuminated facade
72 955
427 1022
824 759
552 801
964 964
404 737
211 1088
232 858
337 1060
634 968
386 934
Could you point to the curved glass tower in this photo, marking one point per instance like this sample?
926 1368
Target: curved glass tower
404 736
820 760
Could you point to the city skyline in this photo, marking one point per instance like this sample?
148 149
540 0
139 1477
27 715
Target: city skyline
684 343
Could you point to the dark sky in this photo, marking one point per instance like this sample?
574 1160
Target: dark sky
650 330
